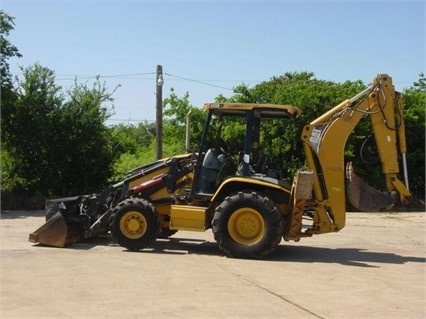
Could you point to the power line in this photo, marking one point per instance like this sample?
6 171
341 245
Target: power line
69 77
88 77
197 81
130 120
136 107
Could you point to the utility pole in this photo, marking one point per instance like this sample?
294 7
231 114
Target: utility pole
159 112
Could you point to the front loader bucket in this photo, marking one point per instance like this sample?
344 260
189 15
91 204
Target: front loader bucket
362 196
63 224
51 233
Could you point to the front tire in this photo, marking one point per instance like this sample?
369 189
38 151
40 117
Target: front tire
247 225
135 224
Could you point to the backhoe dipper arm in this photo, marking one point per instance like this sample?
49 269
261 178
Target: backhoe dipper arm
324 141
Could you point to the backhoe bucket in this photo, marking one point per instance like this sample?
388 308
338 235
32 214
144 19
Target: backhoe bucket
362 196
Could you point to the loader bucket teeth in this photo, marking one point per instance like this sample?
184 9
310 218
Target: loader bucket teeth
56 232
364 197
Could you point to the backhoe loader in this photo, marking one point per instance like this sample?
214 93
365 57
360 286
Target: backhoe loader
248 205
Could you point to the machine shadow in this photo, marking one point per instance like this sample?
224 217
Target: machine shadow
345 256
354 257
171 246
183 246
290 254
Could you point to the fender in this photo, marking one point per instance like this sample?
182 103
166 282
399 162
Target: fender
256 183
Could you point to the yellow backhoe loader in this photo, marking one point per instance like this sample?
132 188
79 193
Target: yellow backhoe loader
248 205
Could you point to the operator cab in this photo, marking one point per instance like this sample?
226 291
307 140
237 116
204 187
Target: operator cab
230 145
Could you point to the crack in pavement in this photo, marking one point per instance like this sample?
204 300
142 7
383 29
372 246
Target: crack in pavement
269 291
280 297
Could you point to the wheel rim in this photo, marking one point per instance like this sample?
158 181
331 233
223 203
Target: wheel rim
246 226
133 224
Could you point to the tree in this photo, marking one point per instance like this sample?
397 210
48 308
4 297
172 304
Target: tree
82 152
415 124
26 129
304 91
8 94
175 115
133 147
129 138
56 146
50 146
136 144
8 50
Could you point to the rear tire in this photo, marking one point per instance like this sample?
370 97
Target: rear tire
135 224
247 225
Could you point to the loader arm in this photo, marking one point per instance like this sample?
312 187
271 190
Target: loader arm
324 141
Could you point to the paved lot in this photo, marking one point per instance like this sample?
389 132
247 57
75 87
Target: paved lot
374 268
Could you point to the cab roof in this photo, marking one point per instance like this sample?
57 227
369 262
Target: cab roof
261 110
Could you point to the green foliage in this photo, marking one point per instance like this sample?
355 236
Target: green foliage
136 144
56 146
303 90
8 179
128 161
26 127
83 138
7 50
232 132
176 111
130 138
7 91
133 146
415 126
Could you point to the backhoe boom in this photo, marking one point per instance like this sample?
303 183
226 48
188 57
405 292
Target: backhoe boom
324 141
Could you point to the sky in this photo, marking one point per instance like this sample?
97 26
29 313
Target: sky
207 48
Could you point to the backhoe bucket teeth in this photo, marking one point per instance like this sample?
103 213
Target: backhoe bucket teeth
56 232
362 196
